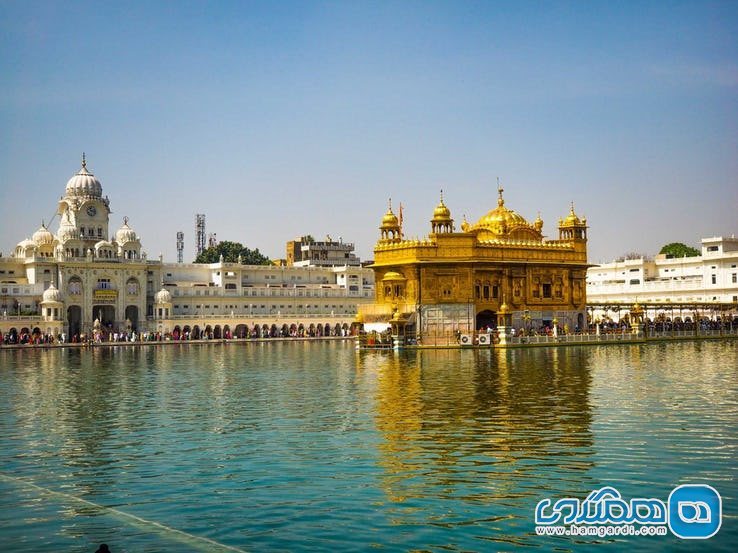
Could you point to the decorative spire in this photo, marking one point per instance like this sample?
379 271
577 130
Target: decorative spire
572 207
441 196
390 204
500 190
84 162
125 220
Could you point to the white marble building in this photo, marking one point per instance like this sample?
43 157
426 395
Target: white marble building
65 281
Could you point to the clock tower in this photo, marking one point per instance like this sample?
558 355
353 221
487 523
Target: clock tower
84 212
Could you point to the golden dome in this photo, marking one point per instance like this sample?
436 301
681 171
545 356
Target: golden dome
390 221
501 219
393 276
441 213
572 219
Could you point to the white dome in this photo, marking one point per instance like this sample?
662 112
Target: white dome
42 236
103 244
51 294
125 233
84 183
163 296
25 244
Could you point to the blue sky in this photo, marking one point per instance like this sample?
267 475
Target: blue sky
277 119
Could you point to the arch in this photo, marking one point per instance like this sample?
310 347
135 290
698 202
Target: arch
580 321
256 331
264 331
186 332
285 331
208 332
176 333
273 331
217 333
74 320
74 286
242 331
345 329
327 331
132 286
106 314
132 315
319 329
486 319
337 329
227 332
195 333
301 329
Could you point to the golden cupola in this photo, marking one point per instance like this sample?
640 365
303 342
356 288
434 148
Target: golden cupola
442 221
572 227
390 227
504 223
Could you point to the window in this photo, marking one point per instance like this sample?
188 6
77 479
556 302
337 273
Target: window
495 292
734 278
635 280
547 290
712 248
714 279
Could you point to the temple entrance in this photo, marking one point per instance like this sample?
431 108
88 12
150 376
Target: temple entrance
132 316
106 314
74 320
486 319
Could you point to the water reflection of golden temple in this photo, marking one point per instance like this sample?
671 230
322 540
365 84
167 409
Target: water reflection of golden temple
455 281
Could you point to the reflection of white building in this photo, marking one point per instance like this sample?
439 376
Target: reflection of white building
63 282
708 278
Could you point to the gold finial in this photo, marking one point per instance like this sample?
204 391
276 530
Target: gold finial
441 195
84 161
390 204
500 190
572 207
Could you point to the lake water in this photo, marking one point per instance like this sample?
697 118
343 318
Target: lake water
312 446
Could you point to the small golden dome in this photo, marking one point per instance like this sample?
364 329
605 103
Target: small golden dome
389 221
572 220
393 276
538 223
442 213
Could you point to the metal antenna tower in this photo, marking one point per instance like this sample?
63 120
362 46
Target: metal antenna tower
180 246
200 233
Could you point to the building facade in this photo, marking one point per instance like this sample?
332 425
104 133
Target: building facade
459 281
307 252
83 278
709 278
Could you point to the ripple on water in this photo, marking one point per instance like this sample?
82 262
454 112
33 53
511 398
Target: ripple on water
313 446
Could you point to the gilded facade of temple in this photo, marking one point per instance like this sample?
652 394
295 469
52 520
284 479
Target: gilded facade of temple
457 281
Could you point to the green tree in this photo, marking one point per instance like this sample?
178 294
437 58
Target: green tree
230 252
677 249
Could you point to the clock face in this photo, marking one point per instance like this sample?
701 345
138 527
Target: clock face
91 211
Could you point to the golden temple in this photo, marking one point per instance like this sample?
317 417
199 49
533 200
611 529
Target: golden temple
451 281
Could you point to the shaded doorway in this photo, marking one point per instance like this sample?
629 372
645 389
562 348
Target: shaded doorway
74 320
486 319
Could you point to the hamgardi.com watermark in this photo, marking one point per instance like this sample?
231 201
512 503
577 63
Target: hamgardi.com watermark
692 511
